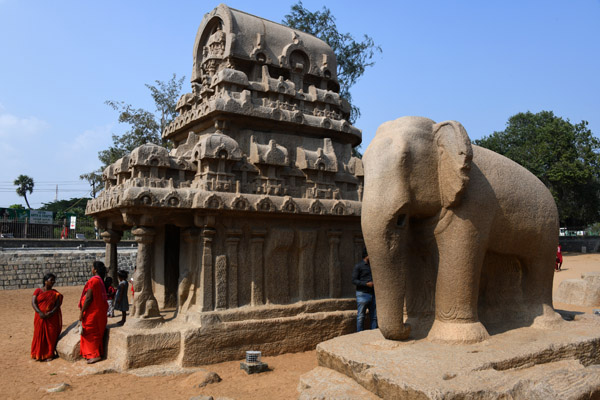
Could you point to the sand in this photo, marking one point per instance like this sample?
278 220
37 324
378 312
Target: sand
24 378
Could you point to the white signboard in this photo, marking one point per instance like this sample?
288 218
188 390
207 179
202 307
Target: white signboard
40 217
73 221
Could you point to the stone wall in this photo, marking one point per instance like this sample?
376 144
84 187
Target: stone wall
577 243
22 269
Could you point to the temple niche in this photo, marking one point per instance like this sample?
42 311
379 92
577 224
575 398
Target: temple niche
254 213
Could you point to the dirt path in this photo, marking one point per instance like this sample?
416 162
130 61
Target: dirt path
23 378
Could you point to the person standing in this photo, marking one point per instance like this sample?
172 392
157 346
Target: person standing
93 307
47 322
365 292
559 259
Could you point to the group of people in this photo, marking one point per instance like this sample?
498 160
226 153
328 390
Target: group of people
96 304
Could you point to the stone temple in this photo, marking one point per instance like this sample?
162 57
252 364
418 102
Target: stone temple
250 224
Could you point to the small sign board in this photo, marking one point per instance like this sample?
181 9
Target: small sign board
73 222
40 217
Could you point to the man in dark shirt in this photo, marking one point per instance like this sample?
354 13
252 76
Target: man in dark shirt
365 294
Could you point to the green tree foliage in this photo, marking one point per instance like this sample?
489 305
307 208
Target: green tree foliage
94 178
146 127
352 57
16 207
564 156
60 208
24 184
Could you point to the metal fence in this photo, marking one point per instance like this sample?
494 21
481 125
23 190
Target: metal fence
58 229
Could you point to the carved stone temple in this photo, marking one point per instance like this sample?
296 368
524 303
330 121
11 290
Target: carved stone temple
250 224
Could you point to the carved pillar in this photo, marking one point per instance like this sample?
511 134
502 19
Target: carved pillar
144 302
232 243
256 260
188 285
335 275
307 241
359 245
206 273
221 282
275 276
111 238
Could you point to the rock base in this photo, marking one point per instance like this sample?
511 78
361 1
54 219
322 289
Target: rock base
525 363
254 368
212 337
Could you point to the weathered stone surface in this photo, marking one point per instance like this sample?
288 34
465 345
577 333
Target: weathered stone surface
525 363
227 335
22 269
583 292
68 343
201 378
324 383
135 348
459 235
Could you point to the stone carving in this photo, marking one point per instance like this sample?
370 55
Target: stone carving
436 206
233 214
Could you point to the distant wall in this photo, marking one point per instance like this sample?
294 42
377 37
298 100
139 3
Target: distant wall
576 243
9 243
22 269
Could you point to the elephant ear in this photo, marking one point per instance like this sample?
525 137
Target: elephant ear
455 155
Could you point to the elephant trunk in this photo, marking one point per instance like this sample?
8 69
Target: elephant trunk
386 240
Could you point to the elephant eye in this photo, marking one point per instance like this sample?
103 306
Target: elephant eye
401 220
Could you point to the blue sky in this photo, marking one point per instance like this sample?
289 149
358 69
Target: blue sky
477 62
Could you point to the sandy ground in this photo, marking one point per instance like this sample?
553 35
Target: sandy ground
23 378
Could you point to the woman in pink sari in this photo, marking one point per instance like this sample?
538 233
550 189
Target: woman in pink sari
47 322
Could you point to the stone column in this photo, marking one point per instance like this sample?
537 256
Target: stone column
111 238
256 261
206 273
188 284
359 244
335 275
144 303
221 282
307 241
232 243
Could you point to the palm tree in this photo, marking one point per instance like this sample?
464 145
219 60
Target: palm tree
24 184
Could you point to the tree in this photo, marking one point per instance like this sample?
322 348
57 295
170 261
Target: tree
146 127
94 178
564 156
60 208
24 184
352 57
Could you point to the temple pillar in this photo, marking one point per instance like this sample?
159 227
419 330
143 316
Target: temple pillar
145 305
256 260
188 284
111 238
231 244
335 272
307 241
206 273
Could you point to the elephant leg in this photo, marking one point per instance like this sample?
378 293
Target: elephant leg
538 274
461 255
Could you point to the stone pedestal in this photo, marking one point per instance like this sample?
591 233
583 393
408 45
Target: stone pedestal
525 363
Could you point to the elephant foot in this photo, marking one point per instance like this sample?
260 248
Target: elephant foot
457 332
395 333
550 319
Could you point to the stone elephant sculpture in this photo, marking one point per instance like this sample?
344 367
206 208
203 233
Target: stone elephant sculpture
453 229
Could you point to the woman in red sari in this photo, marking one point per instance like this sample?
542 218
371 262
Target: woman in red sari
93 308
47 322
